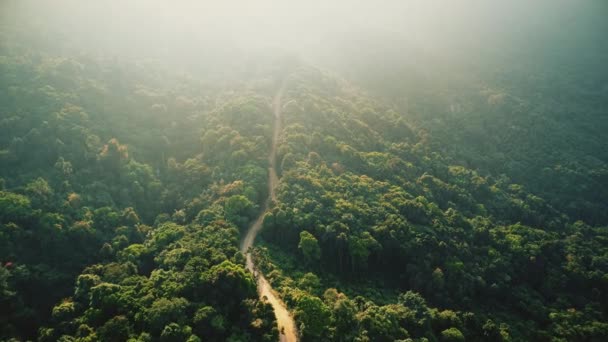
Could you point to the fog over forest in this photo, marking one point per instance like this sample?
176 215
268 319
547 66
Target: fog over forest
179 30
304 170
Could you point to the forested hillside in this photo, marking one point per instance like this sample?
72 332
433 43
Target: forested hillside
370 205
117 219
421 196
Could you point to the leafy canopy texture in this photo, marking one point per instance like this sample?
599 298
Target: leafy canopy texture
413 204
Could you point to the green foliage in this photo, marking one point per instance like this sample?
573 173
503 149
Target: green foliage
477 212
239 210
115 329
14 207
402 213
452 335
109 196
164 311
309 246
314 318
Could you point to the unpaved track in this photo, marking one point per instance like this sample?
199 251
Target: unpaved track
287 326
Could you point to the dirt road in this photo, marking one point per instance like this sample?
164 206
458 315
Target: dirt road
287 327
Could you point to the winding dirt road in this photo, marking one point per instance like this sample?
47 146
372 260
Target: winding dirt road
287 326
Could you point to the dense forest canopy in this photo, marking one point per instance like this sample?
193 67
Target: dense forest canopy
442 170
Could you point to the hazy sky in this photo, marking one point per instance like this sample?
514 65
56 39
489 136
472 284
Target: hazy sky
178 27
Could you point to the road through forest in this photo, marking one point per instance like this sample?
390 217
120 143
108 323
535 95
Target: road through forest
287 327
